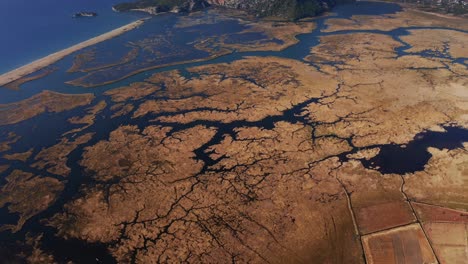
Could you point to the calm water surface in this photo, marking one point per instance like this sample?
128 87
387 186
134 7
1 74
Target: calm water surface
32 29
47 26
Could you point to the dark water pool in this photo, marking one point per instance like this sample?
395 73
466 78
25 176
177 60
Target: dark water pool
44 130
414 156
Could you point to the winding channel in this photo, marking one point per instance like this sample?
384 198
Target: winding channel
43 130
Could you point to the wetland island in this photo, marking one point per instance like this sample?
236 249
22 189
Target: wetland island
236 131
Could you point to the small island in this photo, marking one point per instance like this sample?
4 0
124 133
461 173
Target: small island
85 14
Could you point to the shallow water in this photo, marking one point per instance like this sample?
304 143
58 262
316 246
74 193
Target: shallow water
414 156
34 29
164 24
44 130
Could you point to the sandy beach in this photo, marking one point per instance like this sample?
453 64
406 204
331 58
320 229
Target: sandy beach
54 57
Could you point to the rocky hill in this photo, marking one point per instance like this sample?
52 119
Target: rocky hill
287 9
159 6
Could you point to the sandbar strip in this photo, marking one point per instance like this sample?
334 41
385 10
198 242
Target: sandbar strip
54 57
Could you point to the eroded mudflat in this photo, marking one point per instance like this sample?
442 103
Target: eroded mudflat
268 163
385 98
46 101
206 36
272 34
54 159
262 159
246 208
406 18
27 195
444 181
250 90
278 36
449 42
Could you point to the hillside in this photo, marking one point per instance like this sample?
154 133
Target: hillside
287 9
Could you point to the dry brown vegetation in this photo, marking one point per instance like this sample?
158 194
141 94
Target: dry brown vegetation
260 160
407 18
27 195
45 101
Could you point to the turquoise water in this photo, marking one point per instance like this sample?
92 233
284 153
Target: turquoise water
32 29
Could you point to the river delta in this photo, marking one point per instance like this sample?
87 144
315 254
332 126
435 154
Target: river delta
215 139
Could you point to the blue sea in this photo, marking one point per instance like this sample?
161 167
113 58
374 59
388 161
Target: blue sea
32 29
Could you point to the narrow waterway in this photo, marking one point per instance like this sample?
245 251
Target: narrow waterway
44 130
163 24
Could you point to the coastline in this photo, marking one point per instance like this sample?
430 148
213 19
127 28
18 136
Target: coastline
209 58
39 64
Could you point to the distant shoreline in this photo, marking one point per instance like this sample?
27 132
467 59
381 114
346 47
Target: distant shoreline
34 66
